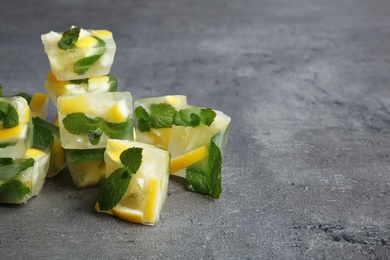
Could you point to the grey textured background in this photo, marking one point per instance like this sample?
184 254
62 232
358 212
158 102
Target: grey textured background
306 172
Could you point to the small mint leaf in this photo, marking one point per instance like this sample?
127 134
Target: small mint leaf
132 158
162 115
186 117
142 119
113 189
13 191
69 38
207 116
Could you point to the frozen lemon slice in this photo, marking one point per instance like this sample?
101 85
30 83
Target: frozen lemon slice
151 205
87 42
10 133
119 112
38 105
188 159
69 104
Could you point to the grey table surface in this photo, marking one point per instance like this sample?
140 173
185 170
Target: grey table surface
306 172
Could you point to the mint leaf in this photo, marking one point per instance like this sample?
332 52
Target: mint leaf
117 183
79 81
186 117
83 65
113 82
207 181
6 144
82 155
42 135
132 159
94 127
9 171
118 130
69 38
207 116
1 90
13 191
6 161
162 115
113 189
143 119
24 95
80 124
215 162
8 115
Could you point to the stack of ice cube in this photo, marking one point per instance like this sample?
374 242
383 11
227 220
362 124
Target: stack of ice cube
22 169
80 62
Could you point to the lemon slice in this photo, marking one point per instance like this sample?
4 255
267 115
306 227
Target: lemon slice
151 205
69 104
127 214
188 159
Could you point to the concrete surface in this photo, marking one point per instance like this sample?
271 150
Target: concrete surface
306 173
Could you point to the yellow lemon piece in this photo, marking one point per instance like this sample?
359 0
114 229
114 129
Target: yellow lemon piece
100 79
73 104
115 148
86 42
54 81
118 113
188 159
150 211
101 33
10 133
38 100
32 153
127 214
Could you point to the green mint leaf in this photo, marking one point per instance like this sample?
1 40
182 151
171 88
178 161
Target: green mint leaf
6 144
80 124
13 191
69 38
113 189
132 159
9 171
162 115
207 181
186 117
215 162
197 180
207 116
94 127
143 119
42 135
119 130
113 82
5 161
79 81
55 131
8 115
83 155
83 65
1 90
24 95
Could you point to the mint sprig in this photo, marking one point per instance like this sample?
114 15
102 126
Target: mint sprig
8 115
115 186
161 116
13 191
11 170
43 134
69 38
207 181
94 127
